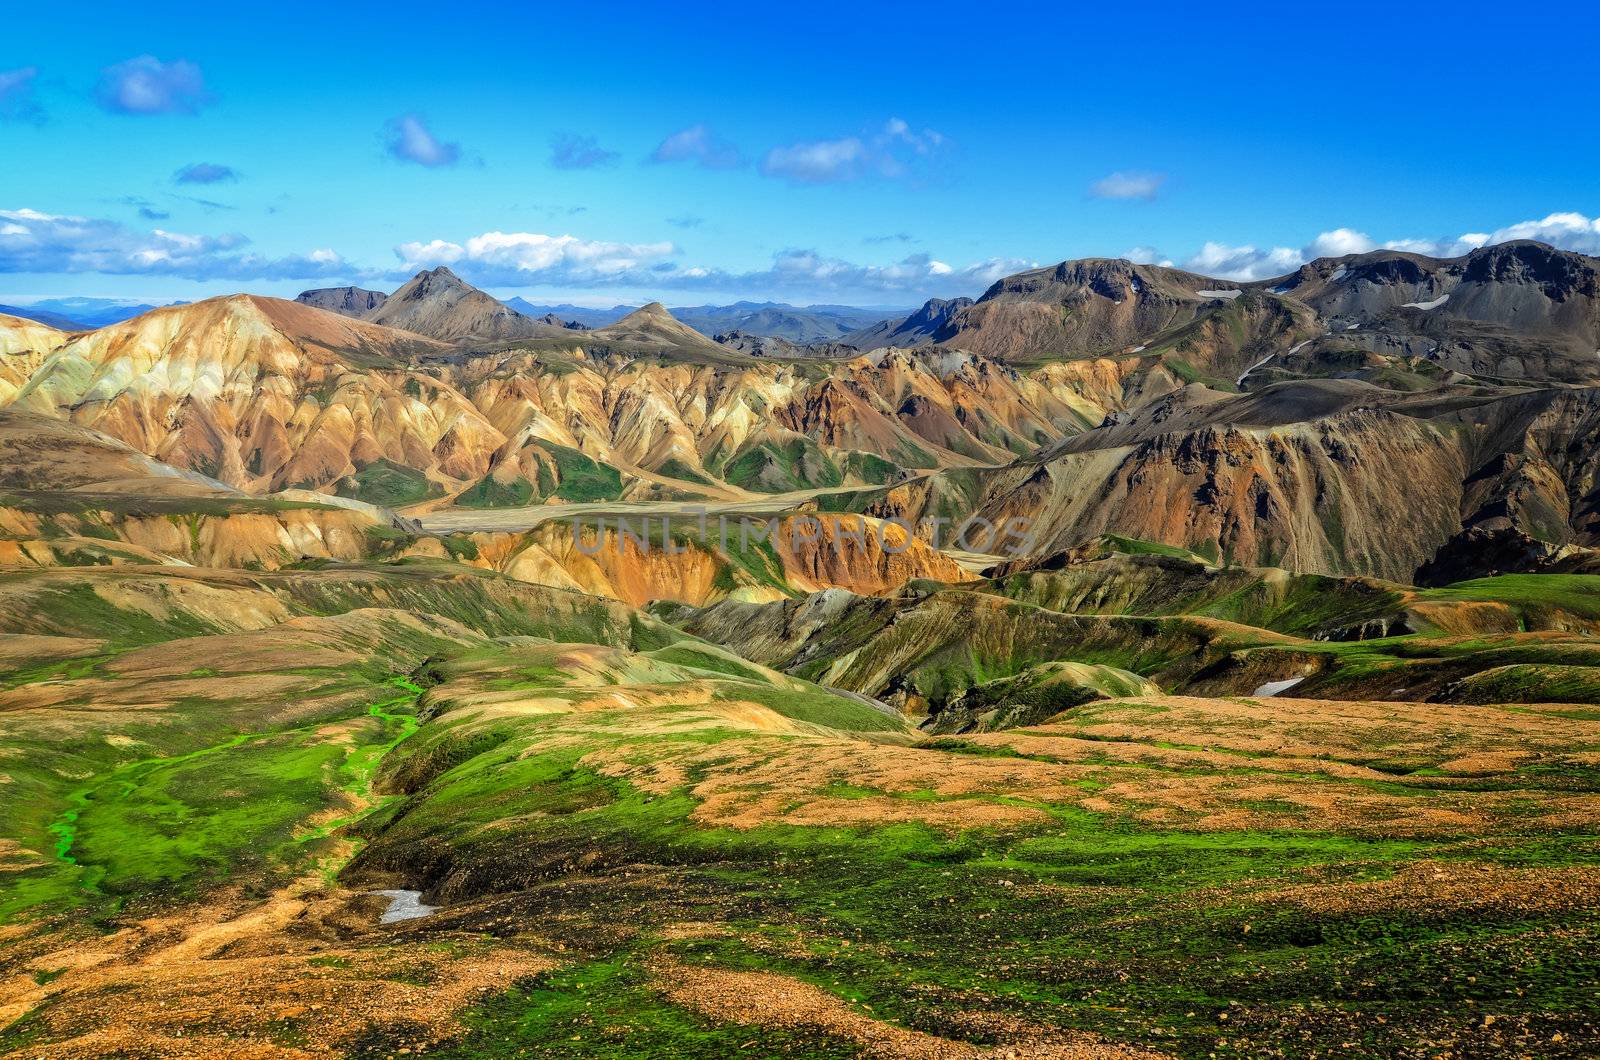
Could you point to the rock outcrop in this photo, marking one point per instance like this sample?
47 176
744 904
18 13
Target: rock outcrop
346 301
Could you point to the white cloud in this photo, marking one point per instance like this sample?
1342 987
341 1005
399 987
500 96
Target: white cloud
36 242
1568 231
925 142
1565 231
700 145
1128 185
507 258
521 259
410 140
146 85
917 275
892 152
817 161
1244 262
1440 248
1146 256
1338 243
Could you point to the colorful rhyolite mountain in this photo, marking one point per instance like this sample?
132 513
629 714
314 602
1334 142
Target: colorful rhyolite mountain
1373 414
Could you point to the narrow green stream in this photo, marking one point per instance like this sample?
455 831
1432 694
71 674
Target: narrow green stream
170 818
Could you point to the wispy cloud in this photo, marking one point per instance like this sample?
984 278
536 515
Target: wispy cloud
146 85
1243 262
206 204
18 101
817 161
148 210
408 139
892 237
35 242
1569 231
686 220
205 173
571 151
1143 255
893 152
700 145
1128 185
504 258
520 259
914 275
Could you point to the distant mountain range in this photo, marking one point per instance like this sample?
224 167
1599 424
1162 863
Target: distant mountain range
439 304
913 330
80 314
796 324
576 314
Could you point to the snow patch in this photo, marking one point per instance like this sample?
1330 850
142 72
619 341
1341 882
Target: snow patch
1258 364
1273 688
404 905
1229 295
1435 304
1338 274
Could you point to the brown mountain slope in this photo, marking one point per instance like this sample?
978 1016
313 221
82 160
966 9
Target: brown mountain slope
263 394
266 394
1514 311
1520 310
1078 308
651 330
45 453
23 347
1312 476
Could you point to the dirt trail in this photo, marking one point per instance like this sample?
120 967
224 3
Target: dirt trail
469 519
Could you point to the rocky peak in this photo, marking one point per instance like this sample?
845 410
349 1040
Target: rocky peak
1531 263
936 312
653 313
346 301
431 282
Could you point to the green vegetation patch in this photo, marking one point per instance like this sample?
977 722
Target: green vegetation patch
391 485
581 478
170 824
1577 594
608 1008
491 492
1166 937
797 463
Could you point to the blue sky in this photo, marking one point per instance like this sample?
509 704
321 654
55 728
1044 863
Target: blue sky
864 154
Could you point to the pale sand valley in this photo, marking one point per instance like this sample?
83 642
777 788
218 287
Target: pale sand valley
339 717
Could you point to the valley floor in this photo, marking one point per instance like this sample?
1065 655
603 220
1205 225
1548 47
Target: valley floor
642 844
